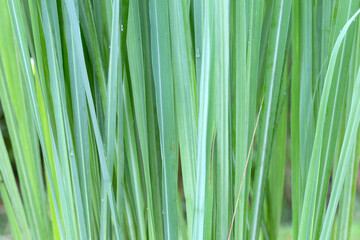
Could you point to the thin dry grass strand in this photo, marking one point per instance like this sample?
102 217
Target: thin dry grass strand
247 160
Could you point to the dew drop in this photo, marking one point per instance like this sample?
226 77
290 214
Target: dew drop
197 54
122 27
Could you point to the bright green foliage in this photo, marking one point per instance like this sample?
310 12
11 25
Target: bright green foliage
174 119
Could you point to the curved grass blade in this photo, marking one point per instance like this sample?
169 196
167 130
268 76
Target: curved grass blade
307 214
334 109
346 152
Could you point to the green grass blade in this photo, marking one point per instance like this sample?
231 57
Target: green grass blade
137 48
306 116
105 172
133 119
110 115
254 25
161 58
154 157
307 214
346 151
93 42
185 106
17 24
294 119
129 218
8 189
278 37
19 124
355 61
81 135
62 136
120 163
203 133
221 72
133 163
277 162
199 12
242 115
335 106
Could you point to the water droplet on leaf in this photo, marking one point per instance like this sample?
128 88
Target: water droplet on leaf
197 53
